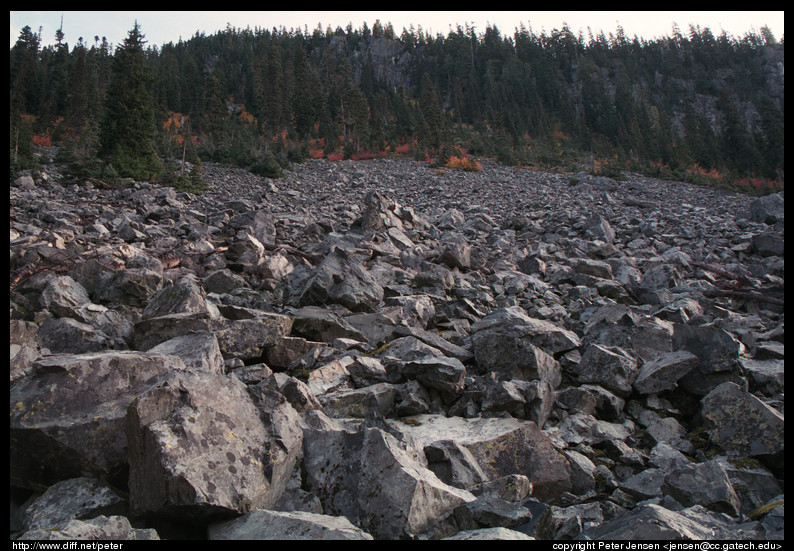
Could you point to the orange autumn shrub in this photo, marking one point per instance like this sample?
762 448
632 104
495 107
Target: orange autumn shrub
336 156
465 163
404 149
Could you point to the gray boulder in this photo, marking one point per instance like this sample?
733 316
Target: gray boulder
135 285
76 498
489 534
741 424
99 528
491 512
768 209
67 335
185 295
381 485
286 525
197 350
247 339
322 324
598 228
62 296
439 372
341 279
380 213
718 356
705 484
663 373
258 223
500 447
150 332
654 522
68 417
360 402
25 347
514 322
198 447
610 367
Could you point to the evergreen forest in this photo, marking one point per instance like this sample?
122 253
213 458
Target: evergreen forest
692 106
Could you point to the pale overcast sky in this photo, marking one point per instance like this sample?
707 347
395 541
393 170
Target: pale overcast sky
161 27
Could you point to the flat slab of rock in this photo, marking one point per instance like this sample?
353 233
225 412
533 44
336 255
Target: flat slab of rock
663 373
99 528
654 522
281 525
197 350
497 533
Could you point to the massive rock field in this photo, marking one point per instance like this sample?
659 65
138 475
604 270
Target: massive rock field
383 350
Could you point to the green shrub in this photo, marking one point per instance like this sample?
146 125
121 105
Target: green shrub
268 168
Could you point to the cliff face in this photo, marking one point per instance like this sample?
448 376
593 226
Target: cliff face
690 81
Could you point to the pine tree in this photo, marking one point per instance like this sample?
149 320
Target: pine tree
24 54
431 115
127 130
78 103
356 115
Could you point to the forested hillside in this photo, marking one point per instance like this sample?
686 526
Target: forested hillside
691 106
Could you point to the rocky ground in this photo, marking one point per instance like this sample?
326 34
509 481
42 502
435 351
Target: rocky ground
384 350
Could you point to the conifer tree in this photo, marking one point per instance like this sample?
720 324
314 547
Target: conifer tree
127 130
431 114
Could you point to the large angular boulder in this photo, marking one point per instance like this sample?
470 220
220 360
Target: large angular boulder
654 522
198 447
135 285
185 295
150 332
67 335
499 447
289 525
663 373
610 367
25 347
741 424
380 213
768 209
322 324
456 252
360 402
98 528
68 416
76 498
598 228
198 350
439 372
247 339
619 325
512 345
514 321
717 352
377 482
258 223
342 279
62 296
705 484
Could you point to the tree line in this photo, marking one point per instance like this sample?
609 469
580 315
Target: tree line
263 98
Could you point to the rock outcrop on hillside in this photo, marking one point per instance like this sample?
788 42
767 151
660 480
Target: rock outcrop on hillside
381 350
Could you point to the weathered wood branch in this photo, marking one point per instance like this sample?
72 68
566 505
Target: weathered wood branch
742 294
